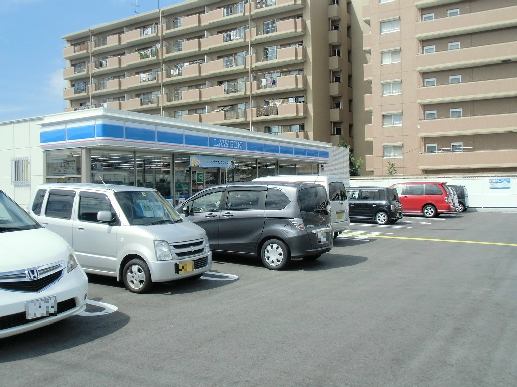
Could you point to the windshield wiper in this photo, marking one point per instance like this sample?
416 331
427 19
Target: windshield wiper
161 221
9 229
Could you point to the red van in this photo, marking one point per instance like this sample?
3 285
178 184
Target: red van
428 198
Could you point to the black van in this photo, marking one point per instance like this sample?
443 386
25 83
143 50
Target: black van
380 204
274 221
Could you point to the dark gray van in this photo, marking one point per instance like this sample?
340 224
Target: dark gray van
274 221
380 204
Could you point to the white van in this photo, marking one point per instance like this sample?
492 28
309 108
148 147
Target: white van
131 233
336 191
40 279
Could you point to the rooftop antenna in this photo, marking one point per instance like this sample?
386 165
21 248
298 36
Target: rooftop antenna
105 186
136 7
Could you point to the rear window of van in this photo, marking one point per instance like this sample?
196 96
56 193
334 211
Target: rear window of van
312 198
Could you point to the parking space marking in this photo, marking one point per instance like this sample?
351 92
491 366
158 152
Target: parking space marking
216 276
107 309
362 235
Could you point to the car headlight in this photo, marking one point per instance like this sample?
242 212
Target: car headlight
163 252
72 263
207 245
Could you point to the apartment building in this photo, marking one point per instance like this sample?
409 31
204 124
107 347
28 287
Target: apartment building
441 91
272 66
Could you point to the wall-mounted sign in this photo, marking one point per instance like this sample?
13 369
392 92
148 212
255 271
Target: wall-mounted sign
502 183
197 161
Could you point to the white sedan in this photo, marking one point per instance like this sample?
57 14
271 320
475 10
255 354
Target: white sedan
41 281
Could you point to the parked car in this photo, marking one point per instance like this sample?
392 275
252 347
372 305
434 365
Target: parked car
130 233
274 221
463 197
337 195
380 204
428 198
41 281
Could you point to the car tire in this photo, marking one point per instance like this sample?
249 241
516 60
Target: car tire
311 258
275 254
429 211
136 276
382 217
461 207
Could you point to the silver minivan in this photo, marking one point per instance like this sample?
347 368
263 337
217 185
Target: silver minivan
131 233
336 191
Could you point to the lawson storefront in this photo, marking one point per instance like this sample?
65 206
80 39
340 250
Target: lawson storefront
176 157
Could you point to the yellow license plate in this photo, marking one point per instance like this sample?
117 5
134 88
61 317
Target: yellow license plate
340 216
186 267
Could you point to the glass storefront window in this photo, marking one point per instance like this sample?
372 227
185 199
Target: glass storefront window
63 166
112 167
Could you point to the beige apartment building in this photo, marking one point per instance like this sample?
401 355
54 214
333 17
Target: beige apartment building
273 66
441 92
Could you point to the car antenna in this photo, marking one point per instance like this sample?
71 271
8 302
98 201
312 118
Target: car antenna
105 186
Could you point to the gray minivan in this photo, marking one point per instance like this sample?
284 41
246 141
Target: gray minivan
274 221
131 233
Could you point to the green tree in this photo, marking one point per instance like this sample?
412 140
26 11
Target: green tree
354 165
391 168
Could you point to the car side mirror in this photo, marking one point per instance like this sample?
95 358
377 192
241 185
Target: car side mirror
104 216
187 211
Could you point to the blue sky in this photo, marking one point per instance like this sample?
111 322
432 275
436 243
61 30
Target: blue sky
31 47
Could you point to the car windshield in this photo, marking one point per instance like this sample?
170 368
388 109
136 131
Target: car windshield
13 217
145 208
313 199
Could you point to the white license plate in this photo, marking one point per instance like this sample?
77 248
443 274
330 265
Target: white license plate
41 307
340 216
322 237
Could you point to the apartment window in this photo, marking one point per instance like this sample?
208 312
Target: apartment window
453 12
334 2
336 52
335 27
428 16
429 49
273 129
456 147
336 104
337 130
392 88
388 26
430 115
270 53
392 56
456 113
453 79
429 82
180 113
269 26
454 46
431 148
392 150
20 171
298 128
394 119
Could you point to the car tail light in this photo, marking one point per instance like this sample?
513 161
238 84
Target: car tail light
298 223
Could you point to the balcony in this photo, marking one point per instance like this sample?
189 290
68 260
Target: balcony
497 123
368 72
135 81
302 135
369 163
106 87
222 67
219 42
106 44
225 15
336 63
278 6
71 93
335 38
193 95
434 3
334 12
368 102
366 14
139 103
467 57
76 51
367 43
284 29
337 115
107 65
76 72
335 89
368 132
471 91
468 160
187 24
141 35
136 59
285 56
283 111
467 24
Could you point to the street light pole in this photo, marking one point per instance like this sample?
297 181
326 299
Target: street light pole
249 65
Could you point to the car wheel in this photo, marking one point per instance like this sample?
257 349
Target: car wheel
275 254
460 207
136 276
311 258
430 211
381 217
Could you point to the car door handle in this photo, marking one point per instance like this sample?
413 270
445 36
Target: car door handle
80 228
210 216
227 214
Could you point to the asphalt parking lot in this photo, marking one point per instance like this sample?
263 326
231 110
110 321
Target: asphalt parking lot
424 302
